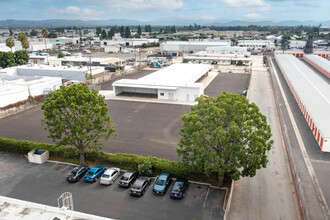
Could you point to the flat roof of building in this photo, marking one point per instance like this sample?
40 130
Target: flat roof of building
320 61
311 88
176 75
211 43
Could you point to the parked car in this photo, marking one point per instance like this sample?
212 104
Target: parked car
87 51
77 173
139 186
109 176
94 173
162 183
65 53
128 178
178 189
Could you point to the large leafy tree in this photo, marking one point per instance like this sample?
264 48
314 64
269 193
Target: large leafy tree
227 136
77 116
10 43
7 59
21 57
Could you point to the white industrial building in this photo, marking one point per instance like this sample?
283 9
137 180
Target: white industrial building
311 92
256 44
191 46
176 82
14 88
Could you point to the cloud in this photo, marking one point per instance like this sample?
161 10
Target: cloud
255 4
123 7
254 17
84 14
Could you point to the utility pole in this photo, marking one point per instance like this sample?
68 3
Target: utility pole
90 66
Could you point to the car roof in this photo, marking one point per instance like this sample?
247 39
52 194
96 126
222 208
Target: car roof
164 176
181 180
108 171
129 173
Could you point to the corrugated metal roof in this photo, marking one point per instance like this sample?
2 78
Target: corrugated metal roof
312 90
320 61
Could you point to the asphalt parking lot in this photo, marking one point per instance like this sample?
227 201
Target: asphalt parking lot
45 183
149 129
228 82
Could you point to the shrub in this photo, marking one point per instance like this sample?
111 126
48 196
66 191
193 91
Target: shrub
145 168
148 166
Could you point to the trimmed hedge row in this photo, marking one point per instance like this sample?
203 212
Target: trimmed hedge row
124 161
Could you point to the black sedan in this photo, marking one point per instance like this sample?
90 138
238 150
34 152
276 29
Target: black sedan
179 187
77 173
139 186
128 179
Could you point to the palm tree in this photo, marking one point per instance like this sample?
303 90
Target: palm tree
10 43
25 44
45 34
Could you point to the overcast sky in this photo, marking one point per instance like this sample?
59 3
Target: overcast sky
146 10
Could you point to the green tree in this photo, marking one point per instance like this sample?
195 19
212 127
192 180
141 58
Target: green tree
139 32
25 44
127 32
144 45
21 57
284 43
60 55
52 35
98 31
112 32
10 43
33 33
7 59
122 31
227 136
77 116
103 34
21 36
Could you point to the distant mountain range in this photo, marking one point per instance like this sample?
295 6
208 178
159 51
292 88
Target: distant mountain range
93 23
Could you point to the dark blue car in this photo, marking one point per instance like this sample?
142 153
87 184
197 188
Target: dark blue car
178 189
94 173
161 184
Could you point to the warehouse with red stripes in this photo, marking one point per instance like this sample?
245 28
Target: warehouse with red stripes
311 92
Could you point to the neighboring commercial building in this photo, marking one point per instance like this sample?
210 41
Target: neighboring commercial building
64 72
176 82
257 44
15 88
190 46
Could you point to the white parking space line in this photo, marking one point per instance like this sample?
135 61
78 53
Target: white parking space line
45 170
65 168
207 194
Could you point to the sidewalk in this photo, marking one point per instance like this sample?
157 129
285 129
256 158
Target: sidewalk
269 194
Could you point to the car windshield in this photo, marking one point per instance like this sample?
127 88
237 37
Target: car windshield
90 173
160 182
106 176
136 187
177 186
74 171
125 178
